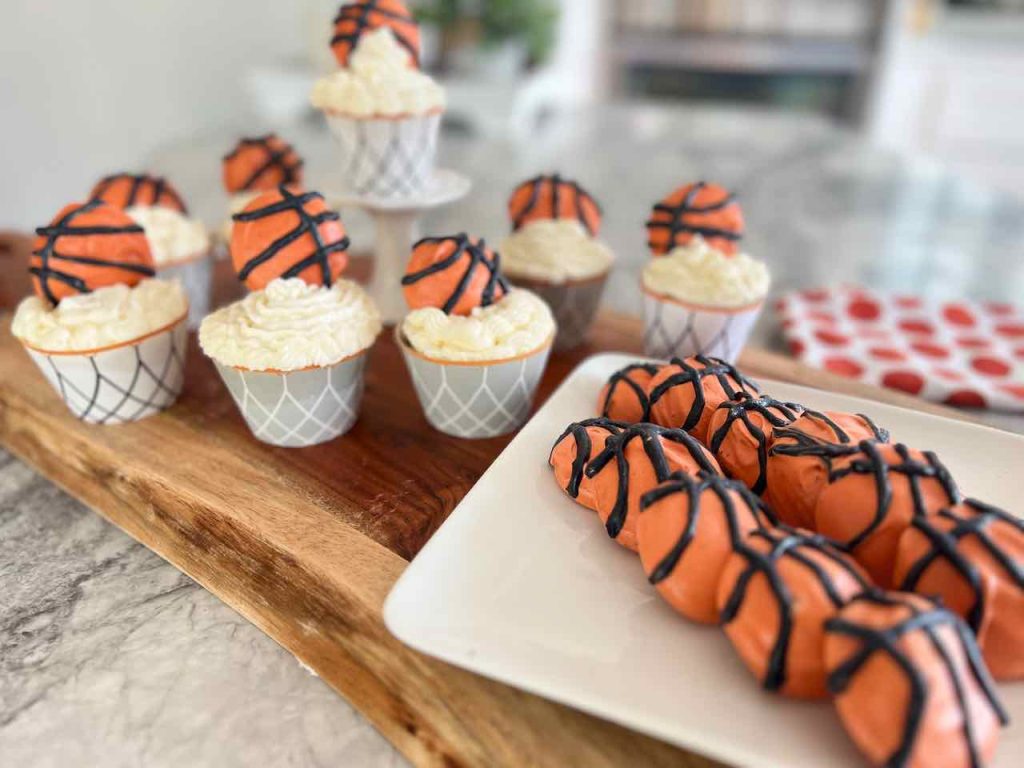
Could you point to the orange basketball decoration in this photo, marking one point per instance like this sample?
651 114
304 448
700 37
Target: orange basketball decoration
624 397
88 246
552 197
260 163
573 450
354 19
632 463
687 528
972 557
802 454
456 274
740 432
124 190
909 684
686 392
701 209
288 233
874 494
776 592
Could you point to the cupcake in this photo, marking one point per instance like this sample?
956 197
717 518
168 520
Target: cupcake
109 338
293 351
180 245
475 348
554 252
701 296
383 112
255 165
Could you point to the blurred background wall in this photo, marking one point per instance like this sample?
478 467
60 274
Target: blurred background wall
89 88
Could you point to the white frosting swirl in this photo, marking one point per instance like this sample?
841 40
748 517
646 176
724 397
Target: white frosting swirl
172 236
115 314
290 325
380 81
555 251
700 274
518 323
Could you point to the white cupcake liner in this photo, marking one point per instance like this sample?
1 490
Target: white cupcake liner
573 304
387 158
675 329
298 408
475 400
121 383
196 278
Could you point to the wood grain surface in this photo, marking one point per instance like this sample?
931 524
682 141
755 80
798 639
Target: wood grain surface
306 543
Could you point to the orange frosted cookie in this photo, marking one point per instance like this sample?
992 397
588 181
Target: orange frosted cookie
126 190
455 274
552 197
687 528
624 397
261 163
574 449
701 209
353 20
774 596
910 686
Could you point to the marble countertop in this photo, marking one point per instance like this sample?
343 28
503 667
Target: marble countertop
111 656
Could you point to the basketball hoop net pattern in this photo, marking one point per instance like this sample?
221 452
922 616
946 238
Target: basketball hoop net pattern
386 158
122 384
477 400
673 330
298 408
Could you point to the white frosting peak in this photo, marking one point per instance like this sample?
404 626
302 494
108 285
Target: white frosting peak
555 251
290 325
379 81
700 274
114 314
173 237
518 323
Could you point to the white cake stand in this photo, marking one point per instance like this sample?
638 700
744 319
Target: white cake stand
397 228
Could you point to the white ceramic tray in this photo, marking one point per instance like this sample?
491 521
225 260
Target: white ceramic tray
522 585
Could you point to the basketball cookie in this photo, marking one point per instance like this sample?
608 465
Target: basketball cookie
686 530
624 397
801 455
972 557
287 233
632 463
355 19
775 593
872 496
910 687
88 246
261 163
701 209
125 190
552 197
741 431
685 393
456 274
574 449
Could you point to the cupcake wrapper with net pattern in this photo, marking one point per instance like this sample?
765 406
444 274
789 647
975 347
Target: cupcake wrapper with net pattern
298 408
572 304
196 278
675 330
125 383
389 159
476 400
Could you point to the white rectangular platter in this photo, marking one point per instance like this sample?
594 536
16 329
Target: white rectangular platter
522 585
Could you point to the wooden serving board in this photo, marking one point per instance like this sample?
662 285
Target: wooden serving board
306 543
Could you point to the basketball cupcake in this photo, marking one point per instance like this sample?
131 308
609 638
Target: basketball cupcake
109 338
554 251
909 684
874 494
972 557
180 245
701 295
292 352
383 112
255 165
475 348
